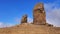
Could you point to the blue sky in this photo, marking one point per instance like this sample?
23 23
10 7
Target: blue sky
11 11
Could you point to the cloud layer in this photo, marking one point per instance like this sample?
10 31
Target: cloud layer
2 25
30 20
53 13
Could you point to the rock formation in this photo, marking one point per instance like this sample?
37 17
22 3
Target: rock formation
24 19
29 28
39 16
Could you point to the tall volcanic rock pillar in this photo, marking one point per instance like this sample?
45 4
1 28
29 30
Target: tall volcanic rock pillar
24 19
39 16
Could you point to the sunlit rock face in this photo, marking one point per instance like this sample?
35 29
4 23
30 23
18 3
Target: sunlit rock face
39 16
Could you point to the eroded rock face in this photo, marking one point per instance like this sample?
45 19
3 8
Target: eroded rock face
24 19
39 16
50 25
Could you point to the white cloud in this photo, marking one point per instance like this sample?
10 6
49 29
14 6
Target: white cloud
30 20
2 25
53 13
17 20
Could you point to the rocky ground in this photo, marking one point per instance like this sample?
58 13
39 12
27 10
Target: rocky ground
26 28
